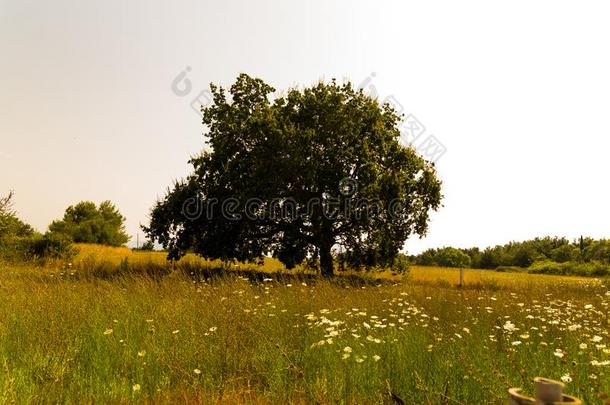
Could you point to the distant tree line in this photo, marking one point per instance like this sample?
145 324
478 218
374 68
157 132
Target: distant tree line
82 223
553 255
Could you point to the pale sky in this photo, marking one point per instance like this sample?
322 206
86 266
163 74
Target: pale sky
518 93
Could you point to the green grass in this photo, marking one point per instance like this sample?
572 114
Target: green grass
70 337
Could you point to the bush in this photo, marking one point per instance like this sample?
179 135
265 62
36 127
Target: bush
591 269
52 246
15 248
36 247
401 265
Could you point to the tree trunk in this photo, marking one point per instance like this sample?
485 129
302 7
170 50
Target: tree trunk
326 261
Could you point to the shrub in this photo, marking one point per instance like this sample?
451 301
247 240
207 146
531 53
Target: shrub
52 246
36 247
15 248
401 265
591 269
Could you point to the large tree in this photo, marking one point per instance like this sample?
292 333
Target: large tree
298 176
87 223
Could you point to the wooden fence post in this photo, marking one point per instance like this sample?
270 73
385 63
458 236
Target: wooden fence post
548 392
461 277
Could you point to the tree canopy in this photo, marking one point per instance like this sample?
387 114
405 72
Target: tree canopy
298 176
87 223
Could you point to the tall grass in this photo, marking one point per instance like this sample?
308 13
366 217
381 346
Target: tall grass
70 338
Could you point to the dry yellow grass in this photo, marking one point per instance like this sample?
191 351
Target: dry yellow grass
418 274
116 255
488 277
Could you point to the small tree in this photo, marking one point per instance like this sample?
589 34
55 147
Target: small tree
87 223
297 176
10 225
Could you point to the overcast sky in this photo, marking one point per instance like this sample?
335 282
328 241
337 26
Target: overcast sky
517 92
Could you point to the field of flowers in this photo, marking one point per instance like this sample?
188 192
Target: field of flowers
68 338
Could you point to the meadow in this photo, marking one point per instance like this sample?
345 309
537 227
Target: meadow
107 328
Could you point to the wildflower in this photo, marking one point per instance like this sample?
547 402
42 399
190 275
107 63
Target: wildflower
376 357
136 387
142 353
347 349
509 326
588 306
108 332
566 378
197 371
176 331
524 336
359 359
345 356
320 343
558 353
582 346
213 329
516 343
596 339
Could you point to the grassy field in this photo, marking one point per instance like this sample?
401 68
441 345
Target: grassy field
94 331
